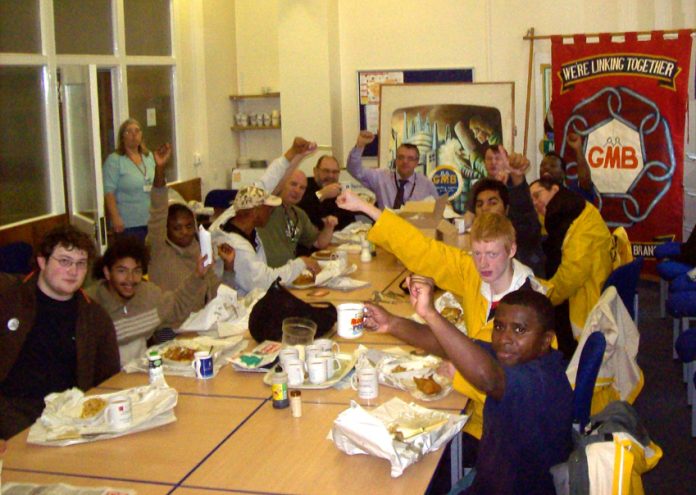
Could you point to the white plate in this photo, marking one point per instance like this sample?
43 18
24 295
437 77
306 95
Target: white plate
347 361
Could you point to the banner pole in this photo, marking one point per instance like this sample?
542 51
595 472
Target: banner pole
530 36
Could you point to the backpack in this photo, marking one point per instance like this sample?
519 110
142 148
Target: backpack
267 315
619 429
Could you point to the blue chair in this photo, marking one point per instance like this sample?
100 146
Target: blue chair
220 198
683 283
686 350
667 269
625 279
682 307
16 258
588 368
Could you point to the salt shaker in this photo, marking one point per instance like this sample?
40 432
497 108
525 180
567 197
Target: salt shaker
365 255
296 403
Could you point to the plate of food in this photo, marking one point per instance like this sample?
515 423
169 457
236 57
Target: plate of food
322 255
304 280
179 352
415 374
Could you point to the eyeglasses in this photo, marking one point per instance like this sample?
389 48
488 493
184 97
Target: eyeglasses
68 263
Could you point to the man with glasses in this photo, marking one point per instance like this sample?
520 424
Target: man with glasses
319 200
139 307
392 187
52 336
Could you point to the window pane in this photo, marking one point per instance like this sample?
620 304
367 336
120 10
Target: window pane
83 26
150 91
147 27
24 187
20 29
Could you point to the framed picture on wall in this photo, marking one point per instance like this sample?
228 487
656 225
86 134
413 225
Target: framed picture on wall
369 82
452 125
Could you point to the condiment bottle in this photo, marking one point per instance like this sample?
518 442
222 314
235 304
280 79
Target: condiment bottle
365 255
296 403
155 369
279 389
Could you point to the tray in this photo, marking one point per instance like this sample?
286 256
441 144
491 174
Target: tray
347 361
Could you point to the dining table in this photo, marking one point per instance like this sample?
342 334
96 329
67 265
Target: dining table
228 437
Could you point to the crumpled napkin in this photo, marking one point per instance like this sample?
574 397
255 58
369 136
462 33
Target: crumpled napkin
351 233
399 432
225 315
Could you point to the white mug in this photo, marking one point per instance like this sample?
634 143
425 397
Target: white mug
350 320
332 363
312 351
295 368
288 353
327 345
317 370
364 380
119 413
342 258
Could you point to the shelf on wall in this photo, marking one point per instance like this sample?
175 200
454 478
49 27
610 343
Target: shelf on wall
237 128
249 97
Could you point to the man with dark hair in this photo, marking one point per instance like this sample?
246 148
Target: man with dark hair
553 166
139 307
527 421
319 200
491 195
52 338
391 187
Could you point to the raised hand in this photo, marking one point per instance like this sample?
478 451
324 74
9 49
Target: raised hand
421 291
574 141
330 191
300 146
163 154
364 138
350 201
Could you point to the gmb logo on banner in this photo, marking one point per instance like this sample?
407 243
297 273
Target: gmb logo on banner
615 156
447 180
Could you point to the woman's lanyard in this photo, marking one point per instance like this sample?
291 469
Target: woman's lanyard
413 187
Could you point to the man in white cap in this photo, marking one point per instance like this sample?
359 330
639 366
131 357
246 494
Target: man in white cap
251 209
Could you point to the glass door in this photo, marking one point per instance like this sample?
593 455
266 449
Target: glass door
82 150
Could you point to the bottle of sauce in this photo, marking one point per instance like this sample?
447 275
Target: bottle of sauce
279 389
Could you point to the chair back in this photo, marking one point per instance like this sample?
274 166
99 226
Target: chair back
625 279
220 198
16 257
588 368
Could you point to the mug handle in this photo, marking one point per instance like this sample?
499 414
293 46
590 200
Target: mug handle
354 381
196 365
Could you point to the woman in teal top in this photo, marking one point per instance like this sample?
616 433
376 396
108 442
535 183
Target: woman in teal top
128 175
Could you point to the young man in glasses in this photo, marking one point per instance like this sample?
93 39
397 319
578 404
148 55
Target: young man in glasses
52 336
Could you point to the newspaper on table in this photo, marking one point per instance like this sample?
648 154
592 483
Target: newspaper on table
399 432
225 315
62 423
15 488
222 349
259 359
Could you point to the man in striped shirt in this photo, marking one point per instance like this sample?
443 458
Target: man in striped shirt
138 307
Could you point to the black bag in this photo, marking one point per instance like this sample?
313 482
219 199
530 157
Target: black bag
267 315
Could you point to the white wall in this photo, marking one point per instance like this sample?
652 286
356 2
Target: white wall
311 49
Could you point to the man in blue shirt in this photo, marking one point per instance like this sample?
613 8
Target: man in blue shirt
527 420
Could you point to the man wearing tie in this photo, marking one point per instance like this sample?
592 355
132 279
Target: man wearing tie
391 187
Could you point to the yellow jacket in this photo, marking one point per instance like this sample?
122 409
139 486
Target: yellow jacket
453 270
586 263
